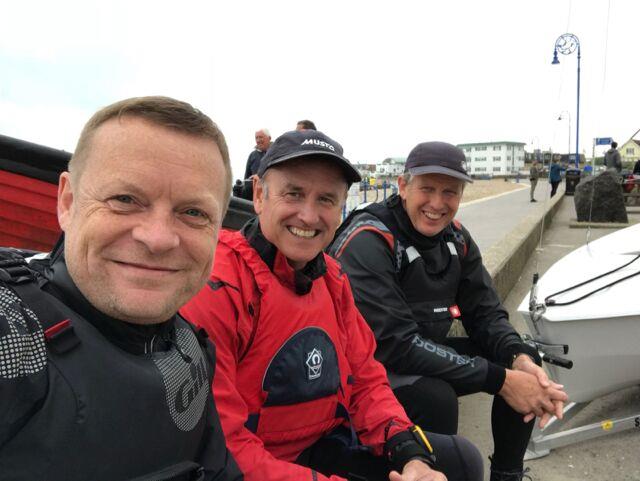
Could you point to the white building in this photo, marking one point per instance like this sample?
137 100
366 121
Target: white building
366 170
494 158
392 166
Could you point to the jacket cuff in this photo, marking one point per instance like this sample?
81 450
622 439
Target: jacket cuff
407 446
496 375
514 350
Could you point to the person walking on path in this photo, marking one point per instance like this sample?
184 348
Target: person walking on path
555 176
534 173
612 159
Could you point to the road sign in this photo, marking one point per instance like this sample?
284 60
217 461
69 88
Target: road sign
603 140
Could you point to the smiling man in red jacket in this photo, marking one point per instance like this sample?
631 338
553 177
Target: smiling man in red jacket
299 393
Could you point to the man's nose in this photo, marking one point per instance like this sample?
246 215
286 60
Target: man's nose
436 201
157 232
308 213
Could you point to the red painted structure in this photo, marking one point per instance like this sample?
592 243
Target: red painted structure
28 189
27 212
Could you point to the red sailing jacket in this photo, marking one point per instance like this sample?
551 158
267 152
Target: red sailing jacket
290 367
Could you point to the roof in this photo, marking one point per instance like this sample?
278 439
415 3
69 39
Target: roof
508 142
394 160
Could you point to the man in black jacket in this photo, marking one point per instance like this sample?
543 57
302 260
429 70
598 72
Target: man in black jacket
263 141
99 377
612 160
414 269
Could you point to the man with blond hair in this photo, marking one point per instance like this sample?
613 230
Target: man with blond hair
414 269
99 377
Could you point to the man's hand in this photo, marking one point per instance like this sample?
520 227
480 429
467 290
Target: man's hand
416 470
521 393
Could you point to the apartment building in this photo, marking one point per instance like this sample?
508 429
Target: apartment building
494 158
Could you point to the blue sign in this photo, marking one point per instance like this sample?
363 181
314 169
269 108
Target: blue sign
603 140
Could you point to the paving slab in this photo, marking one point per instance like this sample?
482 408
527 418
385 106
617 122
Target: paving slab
490 220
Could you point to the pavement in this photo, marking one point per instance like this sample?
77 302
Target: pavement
614 457
503 211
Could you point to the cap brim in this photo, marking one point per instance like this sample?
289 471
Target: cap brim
351 174
437 169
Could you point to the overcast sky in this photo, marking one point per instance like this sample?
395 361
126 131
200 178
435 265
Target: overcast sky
378 77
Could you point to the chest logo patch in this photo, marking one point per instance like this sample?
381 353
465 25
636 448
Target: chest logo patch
314 364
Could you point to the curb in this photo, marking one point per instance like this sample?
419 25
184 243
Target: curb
506 260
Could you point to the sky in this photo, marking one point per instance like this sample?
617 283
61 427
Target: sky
377 76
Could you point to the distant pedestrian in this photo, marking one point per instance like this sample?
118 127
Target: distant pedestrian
555 175
636 168
305 125
612 159
263 141
534 173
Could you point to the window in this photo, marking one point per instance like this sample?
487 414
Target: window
497 147
480 159
630 151
508 157
496 169
496 158
481 147
480 169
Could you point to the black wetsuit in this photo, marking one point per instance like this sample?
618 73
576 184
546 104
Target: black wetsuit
85 396
409 288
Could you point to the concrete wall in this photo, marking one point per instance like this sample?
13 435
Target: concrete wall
506 260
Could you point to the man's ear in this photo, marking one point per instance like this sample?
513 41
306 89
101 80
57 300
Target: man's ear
65 200
402 186
258 191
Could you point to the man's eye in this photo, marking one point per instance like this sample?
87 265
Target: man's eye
194 213
124 199
123 202
293 195
196 217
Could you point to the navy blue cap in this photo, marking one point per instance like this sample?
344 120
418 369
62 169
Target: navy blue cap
302 143
437 158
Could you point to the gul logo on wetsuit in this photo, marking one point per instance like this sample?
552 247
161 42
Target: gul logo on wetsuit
186 385
190 387
314 364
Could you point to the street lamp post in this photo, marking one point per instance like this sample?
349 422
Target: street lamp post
560 117
566 44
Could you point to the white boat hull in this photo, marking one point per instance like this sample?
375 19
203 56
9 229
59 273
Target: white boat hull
602 330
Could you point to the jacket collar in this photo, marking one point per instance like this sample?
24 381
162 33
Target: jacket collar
133 338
